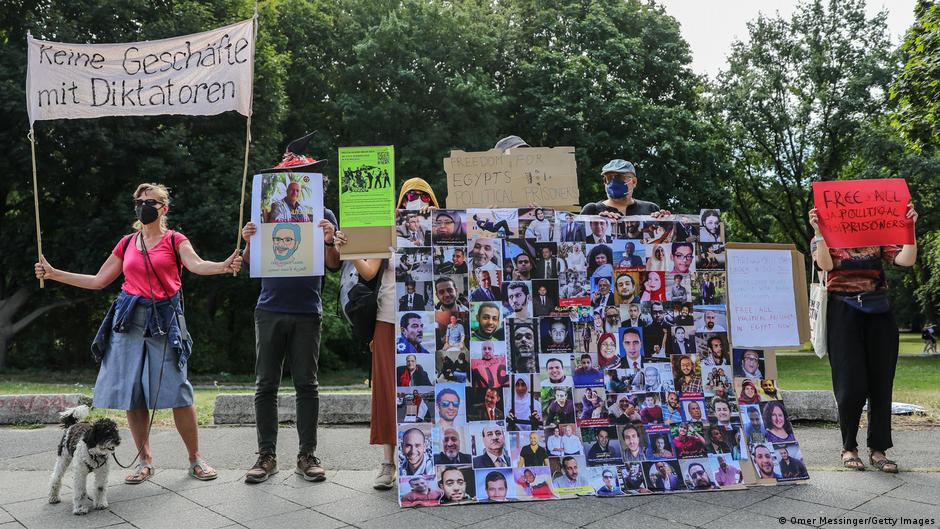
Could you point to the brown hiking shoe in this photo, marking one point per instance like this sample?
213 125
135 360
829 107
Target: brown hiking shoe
308 466
265 467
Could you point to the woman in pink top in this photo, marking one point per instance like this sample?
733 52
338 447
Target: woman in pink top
143 344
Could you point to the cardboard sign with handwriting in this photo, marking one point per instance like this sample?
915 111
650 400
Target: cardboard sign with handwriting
854 213
546 176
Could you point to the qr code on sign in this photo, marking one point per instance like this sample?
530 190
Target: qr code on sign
382 158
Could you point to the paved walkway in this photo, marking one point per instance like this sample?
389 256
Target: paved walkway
172 500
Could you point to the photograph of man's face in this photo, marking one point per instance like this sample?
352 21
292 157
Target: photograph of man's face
454 484
524 339
488 318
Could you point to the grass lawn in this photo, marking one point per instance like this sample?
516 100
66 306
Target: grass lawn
917 380
910 344
24 382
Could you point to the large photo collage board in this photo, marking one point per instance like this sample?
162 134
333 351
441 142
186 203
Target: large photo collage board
542 354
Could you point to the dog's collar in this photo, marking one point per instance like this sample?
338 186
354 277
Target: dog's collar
100 461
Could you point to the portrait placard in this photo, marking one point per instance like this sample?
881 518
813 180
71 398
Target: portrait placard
573 359
287 208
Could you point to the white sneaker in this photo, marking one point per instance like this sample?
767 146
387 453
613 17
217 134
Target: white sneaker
385 480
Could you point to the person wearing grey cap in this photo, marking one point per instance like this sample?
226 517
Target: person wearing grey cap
510 142
620 181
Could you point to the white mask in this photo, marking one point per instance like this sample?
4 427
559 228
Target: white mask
414 205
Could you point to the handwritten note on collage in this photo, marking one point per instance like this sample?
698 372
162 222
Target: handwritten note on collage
542 354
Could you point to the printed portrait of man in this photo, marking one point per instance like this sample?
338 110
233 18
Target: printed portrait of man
494 445
450 453
415 458
457 484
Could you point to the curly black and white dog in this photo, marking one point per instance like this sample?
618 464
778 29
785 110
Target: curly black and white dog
88 446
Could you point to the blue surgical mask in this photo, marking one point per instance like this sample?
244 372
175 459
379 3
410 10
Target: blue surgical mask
617 188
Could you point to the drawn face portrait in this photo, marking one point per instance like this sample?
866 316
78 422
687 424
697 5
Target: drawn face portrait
286 240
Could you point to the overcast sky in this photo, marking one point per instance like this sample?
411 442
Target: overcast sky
710 26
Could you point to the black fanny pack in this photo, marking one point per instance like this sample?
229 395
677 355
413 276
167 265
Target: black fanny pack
868 302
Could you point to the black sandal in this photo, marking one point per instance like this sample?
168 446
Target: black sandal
852 463
883 464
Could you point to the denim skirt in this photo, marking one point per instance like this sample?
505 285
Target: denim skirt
130 374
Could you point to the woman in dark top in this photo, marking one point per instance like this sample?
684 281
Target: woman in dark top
620 181
862 339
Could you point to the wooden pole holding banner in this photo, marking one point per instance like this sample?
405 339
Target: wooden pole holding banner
32 148
241 205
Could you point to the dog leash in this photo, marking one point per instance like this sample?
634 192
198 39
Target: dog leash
148 265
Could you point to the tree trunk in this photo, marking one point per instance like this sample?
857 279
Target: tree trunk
9 307
4 340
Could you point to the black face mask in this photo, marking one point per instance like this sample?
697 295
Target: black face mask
146 214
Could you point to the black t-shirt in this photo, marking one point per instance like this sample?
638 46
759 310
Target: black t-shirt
639 207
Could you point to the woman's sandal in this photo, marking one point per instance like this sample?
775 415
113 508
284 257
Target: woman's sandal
142 472
885 465
206 473
852 463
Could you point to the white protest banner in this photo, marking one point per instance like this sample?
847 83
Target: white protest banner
538 175
203 74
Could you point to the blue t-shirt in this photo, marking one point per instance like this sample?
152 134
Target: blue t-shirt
294 295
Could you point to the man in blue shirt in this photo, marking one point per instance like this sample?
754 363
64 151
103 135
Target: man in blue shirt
287 324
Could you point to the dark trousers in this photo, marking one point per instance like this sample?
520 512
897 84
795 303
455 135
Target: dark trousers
296 336
863 354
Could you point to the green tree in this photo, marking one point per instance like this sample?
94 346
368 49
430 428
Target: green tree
795 98
916 90
882 153
613 78
88 169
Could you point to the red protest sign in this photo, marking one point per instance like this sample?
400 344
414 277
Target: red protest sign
854 213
